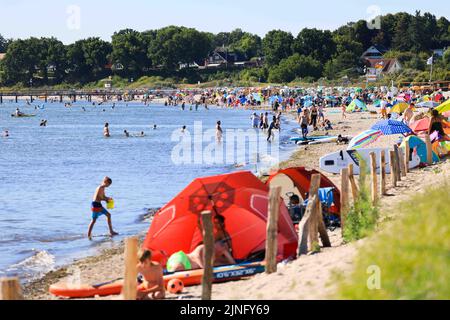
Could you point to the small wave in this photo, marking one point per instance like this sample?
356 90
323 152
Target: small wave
35 266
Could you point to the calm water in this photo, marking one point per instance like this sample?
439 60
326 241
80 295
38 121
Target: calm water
48 175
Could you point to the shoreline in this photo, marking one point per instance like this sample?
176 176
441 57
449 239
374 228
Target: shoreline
308 277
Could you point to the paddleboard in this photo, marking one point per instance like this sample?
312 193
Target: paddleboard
335 162
296 139
189 278
23 116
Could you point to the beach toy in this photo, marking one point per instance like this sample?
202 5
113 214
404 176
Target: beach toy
110 204
175 286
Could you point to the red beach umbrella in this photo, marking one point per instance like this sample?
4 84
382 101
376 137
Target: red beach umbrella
241 198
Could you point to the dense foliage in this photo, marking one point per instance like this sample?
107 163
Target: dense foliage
310 55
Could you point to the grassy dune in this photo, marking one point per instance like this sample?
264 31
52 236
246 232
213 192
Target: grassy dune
412 254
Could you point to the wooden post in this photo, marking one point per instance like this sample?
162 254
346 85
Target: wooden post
17 99
383 173
10 289
317 224
393 168
129 290
373 172
429 149
407 155
352 180
401 159
1 98
344 197
303 227
272 230
208 240
397 163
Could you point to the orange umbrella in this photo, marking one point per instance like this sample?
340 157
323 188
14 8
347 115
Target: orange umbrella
241 198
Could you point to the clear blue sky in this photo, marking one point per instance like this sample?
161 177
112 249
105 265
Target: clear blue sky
25 18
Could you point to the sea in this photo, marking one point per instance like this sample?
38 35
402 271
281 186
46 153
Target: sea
48 175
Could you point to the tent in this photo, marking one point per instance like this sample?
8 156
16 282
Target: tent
241 198
418 144
356 104
298 181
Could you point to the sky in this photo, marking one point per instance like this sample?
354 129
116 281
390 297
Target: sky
71 20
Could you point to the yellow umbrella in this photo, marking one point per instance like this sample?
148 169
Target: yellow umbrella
400 107
444 107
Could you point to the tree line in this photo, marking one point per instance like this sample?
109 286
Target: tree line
310 55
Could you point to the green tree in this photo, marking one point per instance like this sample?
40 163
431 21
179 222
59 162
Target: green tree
129 50
443 33
296 66
173 45
88 60
317 43
249 45
22 61
277 45
3 44
401 40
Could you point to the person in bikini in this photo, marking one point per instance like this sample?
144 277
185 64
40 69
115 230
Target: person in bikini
97 208
181 261
151 286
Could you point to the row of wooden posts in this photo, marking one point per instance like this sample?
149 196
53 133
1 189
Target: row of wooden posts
310 228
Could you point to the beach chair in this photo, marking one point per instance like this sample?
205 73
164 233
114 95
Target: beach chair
330 218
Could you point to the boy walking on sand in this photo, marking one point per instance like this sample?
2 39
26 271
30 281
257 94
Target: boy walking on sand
97 208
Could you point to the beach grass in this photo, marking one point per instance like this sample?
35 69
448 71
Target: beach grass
363 215
410 258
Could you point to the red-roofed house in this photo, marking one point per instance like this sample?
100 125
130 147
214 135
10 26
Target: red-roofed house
383 65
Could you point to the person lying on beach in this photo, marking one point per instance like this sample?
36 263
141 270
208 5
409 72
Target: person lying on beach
151 275
97 208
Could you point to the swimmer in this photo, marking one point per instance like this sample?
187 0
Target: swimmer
183 130
154 127
127 134
106 130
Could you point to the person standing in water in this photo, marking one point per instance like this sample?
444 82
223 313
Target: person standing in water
106 130
219 131
97 208
273 126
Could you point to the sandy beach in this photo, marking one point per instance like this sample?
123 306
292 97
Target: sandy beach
310 277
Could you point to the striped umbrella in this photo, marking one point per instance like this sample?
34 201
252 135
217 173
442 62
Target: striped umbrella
364 139
391 127
428 104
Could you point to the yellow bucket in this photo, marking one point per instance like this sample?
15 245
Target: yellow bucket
110 204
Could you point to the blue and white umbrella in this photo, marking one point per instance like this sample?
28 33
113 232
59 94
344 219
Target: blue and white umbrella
391 127
428 104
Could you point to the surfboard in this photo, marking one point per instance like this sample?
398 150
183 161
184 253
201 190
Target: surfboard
189 278
335 162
